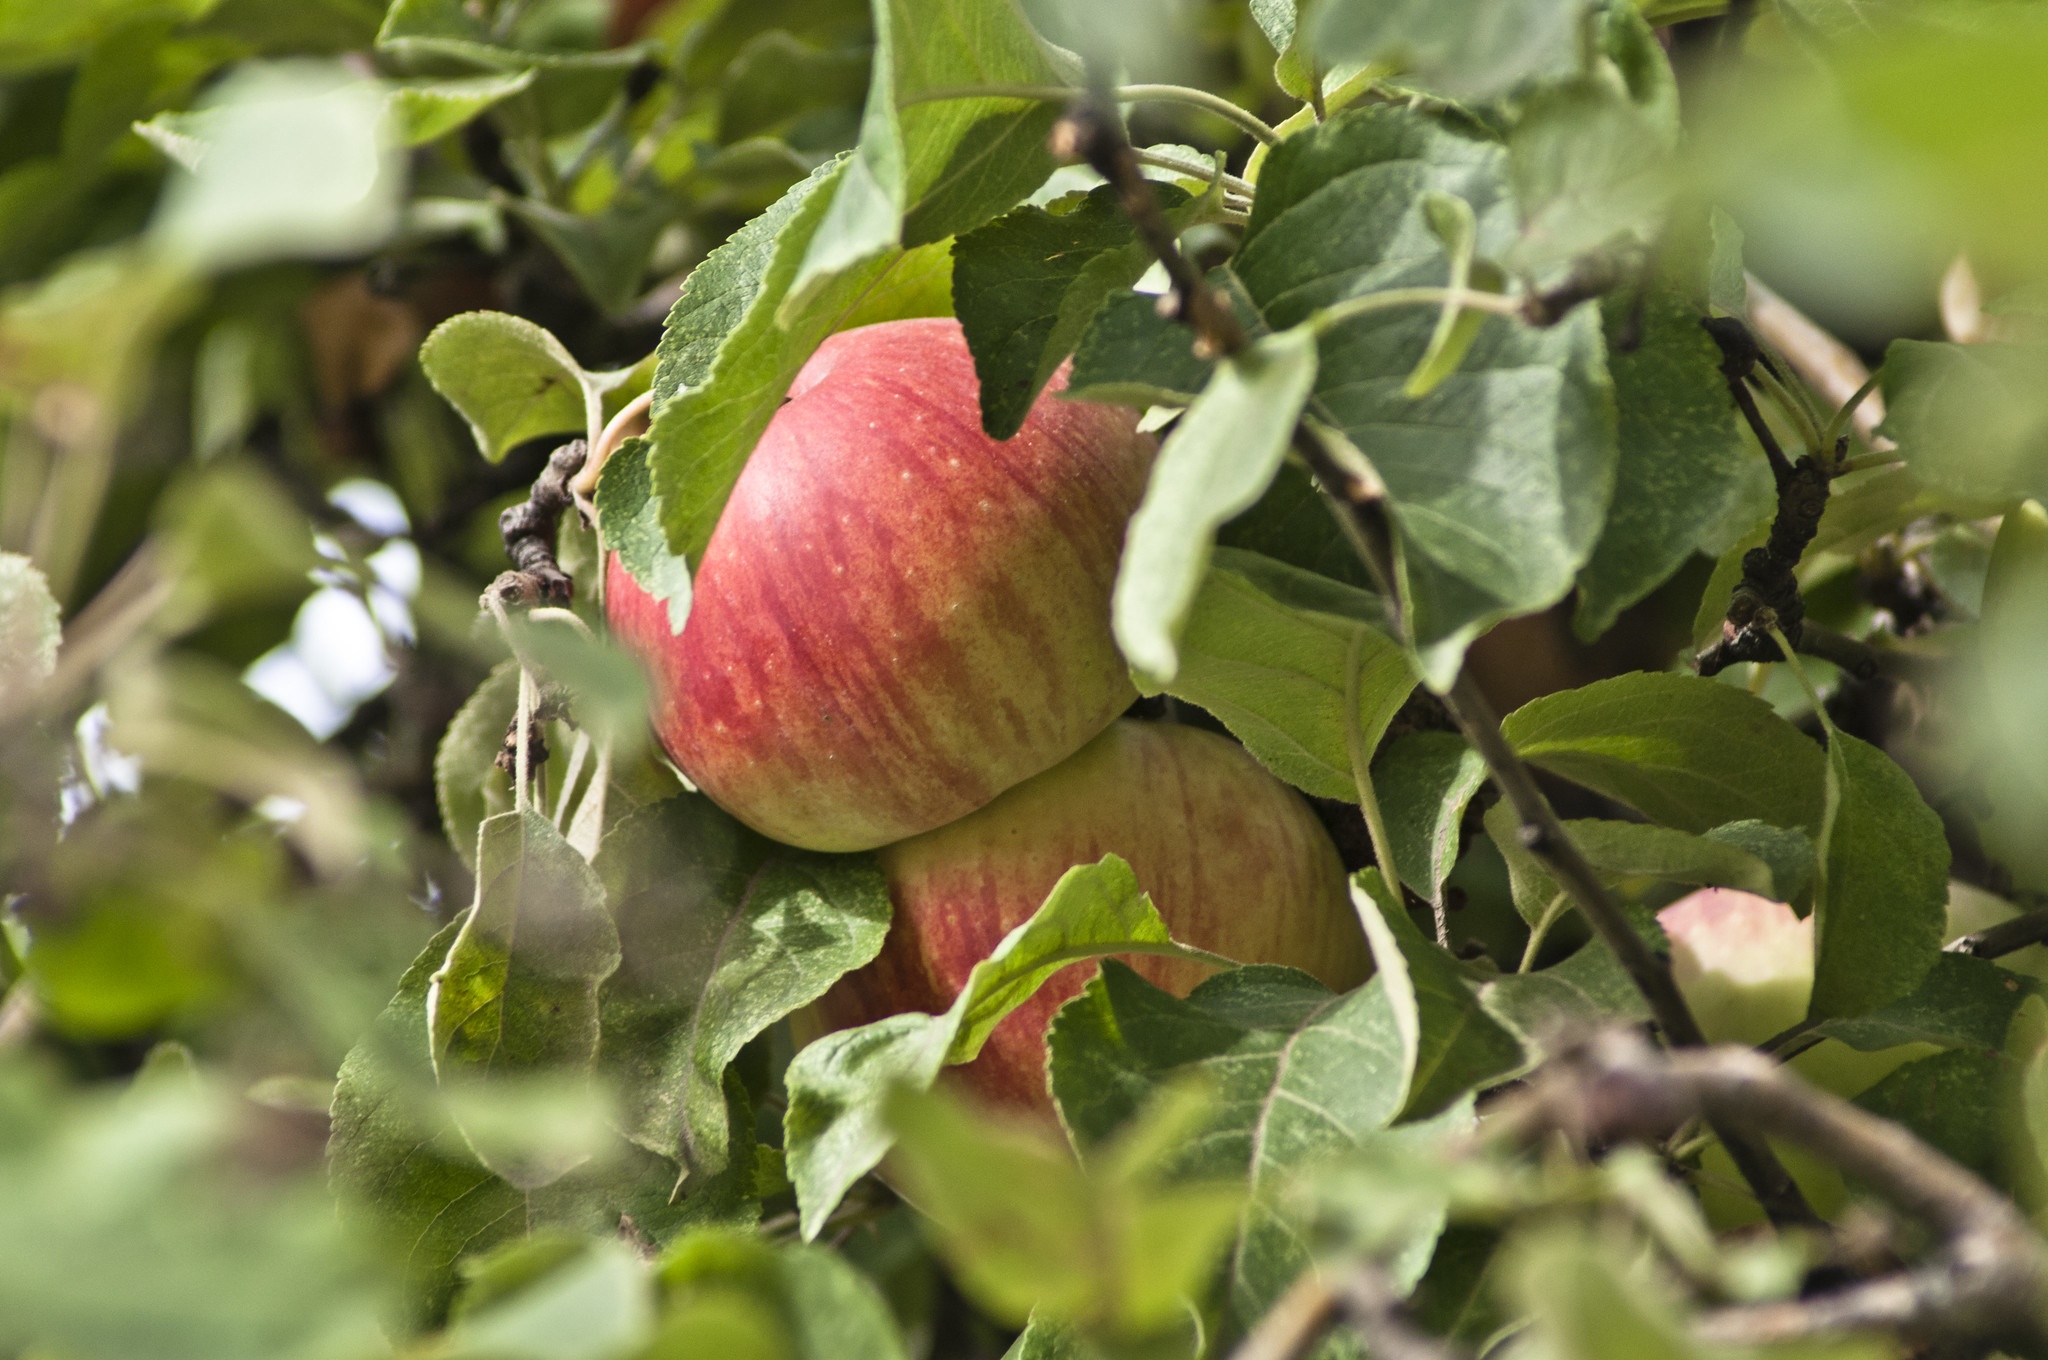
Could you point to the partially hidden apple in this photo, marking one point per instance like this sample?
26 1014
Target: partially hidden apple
896 618
1743 963
1233 859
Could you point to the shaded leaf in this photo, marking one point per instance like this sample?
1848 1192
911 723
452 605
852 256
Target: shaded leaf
1685 752
732 345
1131 354
1266 648
629 518
722 934
1685 468
29 629
410 1175
1217 461
517 992
1469 47
1882 903
1026 286
1954 1101
928 170
511 380
1963 1002
1297 1073
834 1128
1455 1046
424 110
1424 781
1497 480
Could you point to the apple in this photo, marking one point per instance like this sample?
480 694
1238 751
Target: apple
896 618
1743 963
1234 860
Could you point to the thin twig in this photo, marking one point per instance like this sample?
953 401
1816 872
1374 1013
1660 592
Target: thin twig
2006 937
1229 183
1294 1324
1985 1281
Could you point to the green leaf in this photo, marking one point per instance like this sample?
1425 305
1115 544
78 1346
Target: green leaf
1044 1339
1970 419
1466 47
834 1130
1027 1228
1591 170
1685 752
726 1289
29 627
1453 1045
1586 991
607 250
1954 1101
1130 354
1590 1302
1451 221
1882 902
425 110
426 31
629 518
1266 649
1293 523
1685 468
721 935
397 1170
1026 286
598 1305
468 785
731 348
511 380
1497 480
1963 1002
1621 851
928 170
1786 852
517 992
1423 782
295 165
1297 1071
1217 461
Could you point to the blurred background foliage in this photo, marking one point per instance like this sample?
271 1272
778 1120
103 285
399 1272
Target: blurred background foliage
225 228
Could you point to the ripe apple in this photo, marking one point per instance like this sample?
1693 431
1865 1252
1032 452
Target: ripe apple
897 617
1233 859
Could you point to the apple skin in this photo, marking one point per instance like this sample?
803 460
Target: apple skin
1234 860
897 618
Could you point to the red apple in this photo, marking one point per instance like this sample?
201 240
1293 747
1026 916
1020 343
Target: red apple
897 617
1233 859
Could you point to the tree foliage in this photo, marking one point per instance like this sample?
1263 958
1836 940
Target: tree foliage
371 984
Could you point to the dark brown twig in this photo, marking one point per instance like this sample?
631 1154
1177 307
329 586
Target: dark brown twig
2006 937
1768 595
1986 1281
1092 131
1088 132
528 529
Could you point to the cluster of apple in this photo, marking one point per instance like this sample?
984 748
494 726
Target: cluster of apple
899 639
